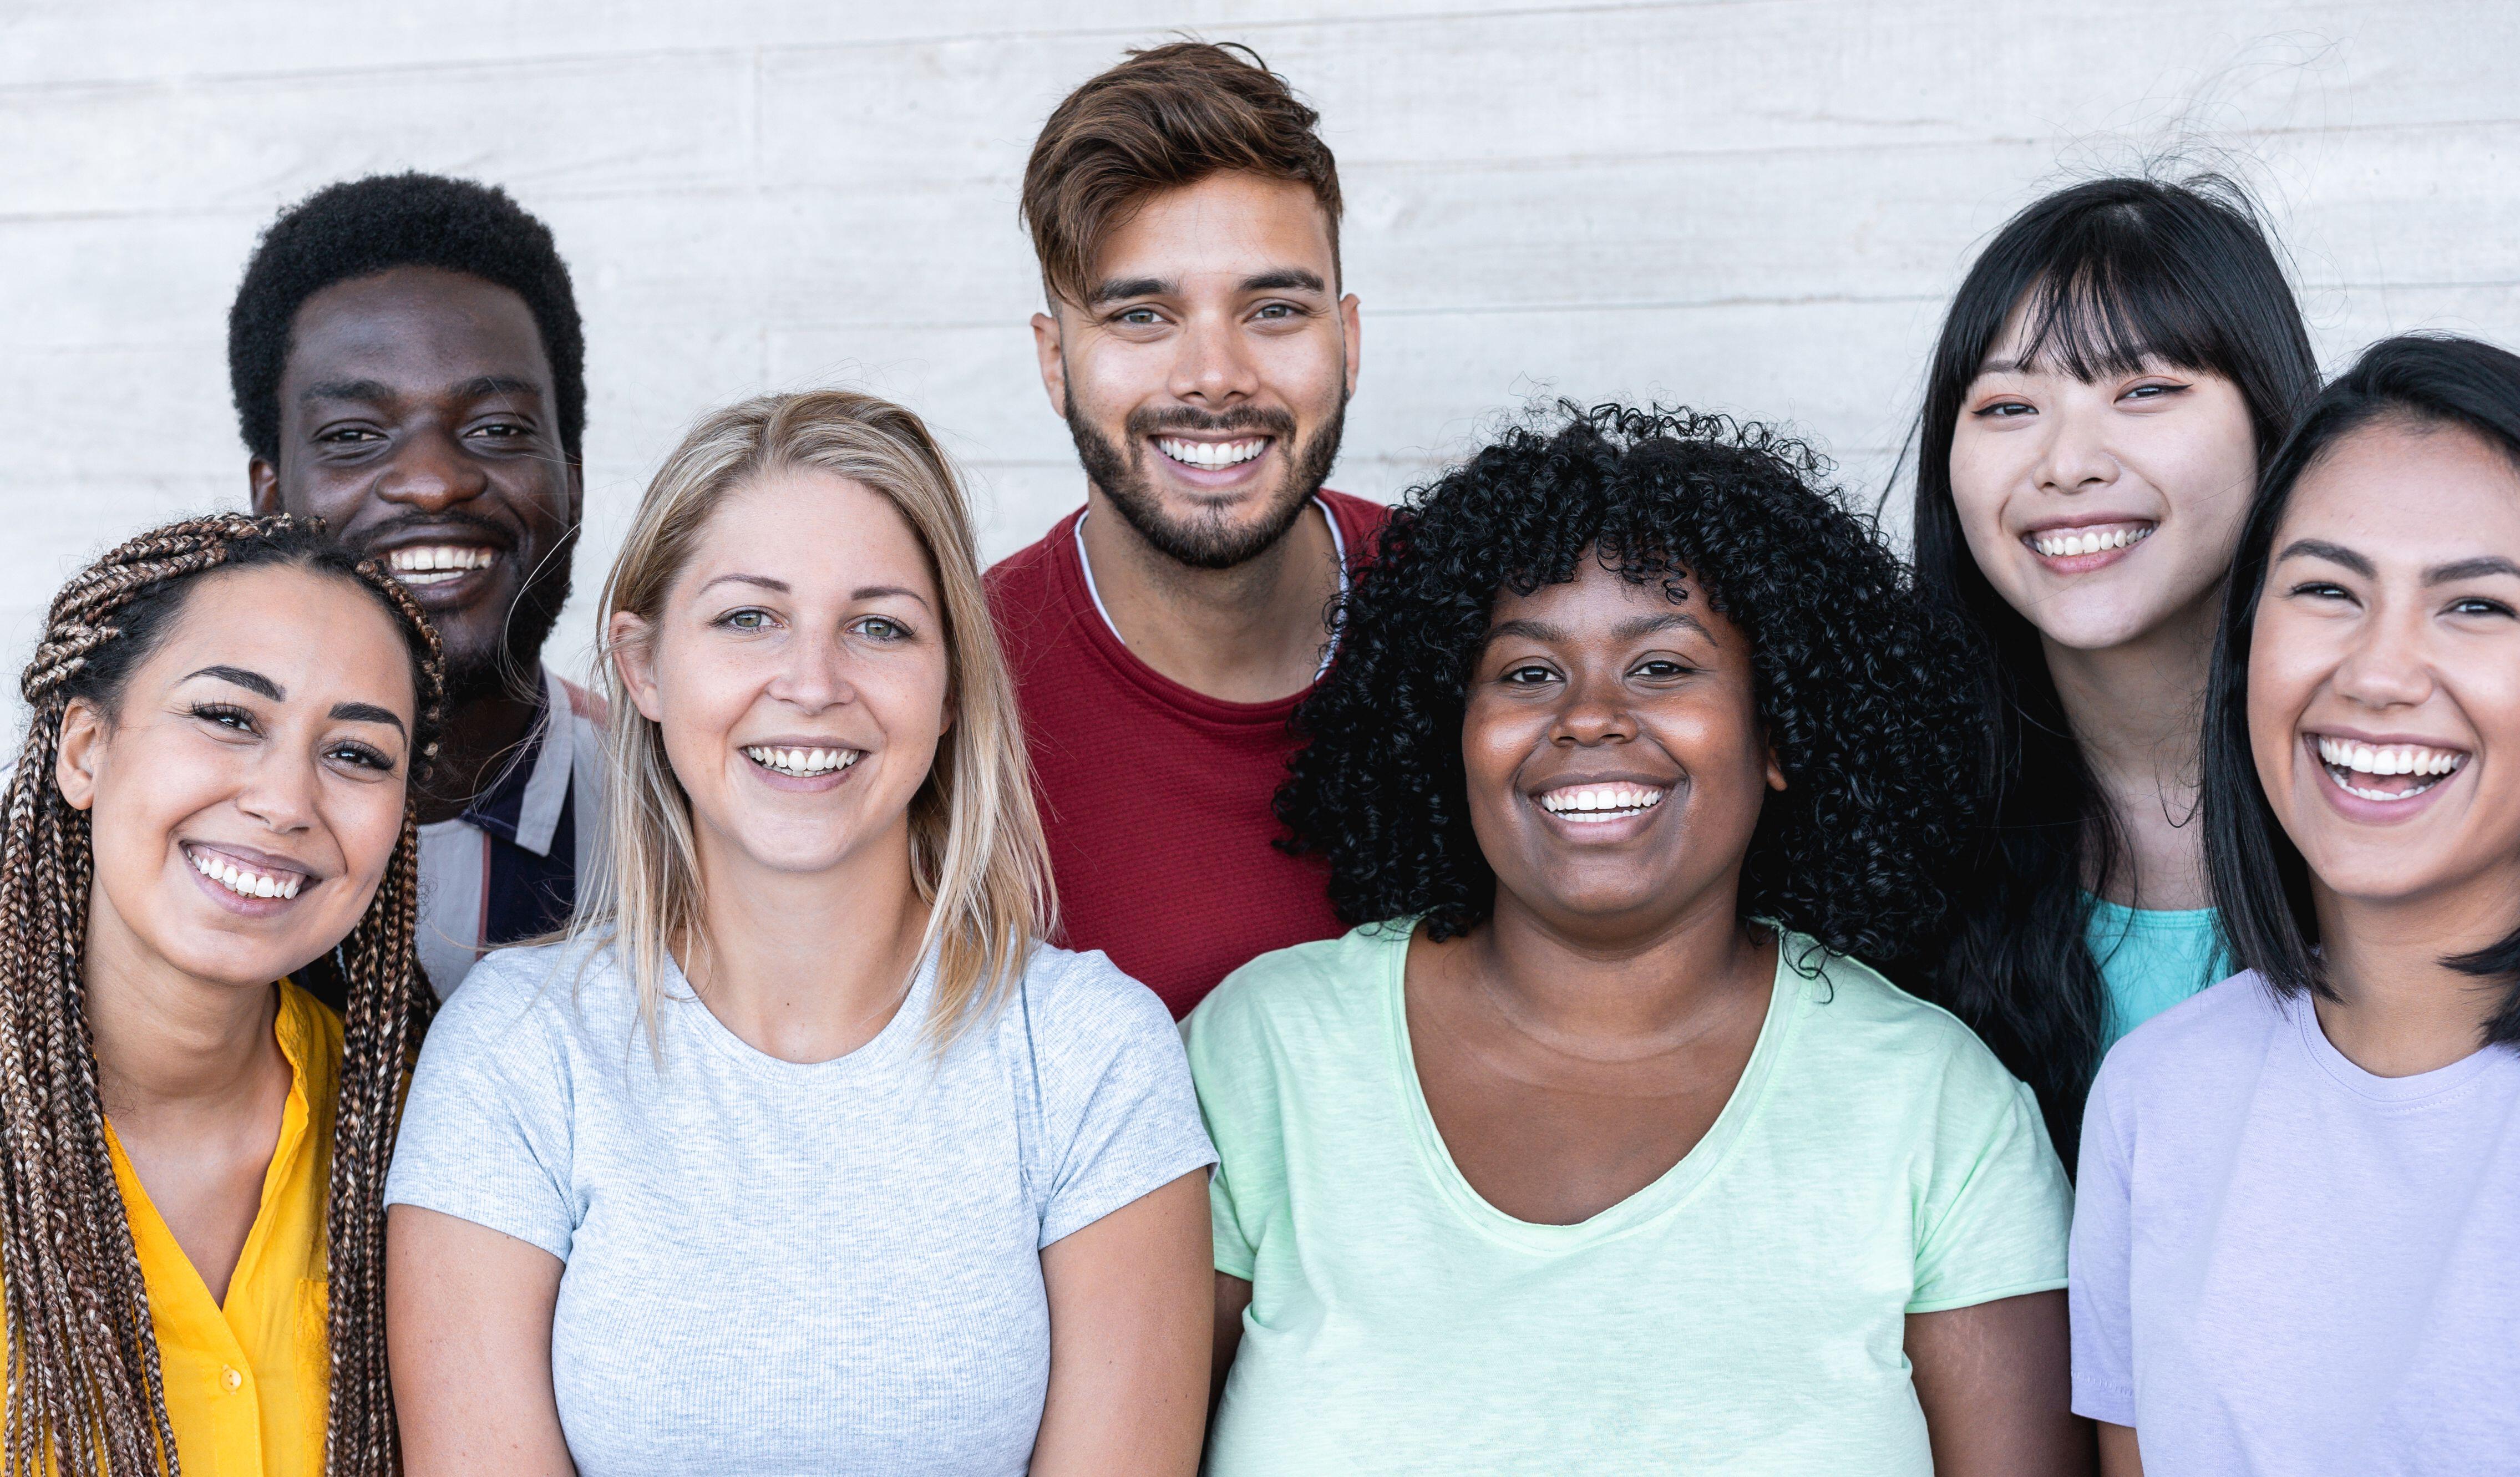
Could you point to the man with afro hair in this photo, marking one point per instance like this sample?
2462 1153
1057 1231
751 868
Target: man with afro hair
408 366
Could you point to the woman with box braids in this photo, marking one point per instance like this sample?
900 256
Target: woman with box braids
211 797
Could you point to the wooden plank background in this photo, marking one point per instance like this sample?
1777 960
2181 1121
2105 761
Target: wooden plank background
1755 206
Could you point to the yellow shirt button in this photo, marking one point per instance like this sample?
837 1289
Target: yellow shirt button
230 1377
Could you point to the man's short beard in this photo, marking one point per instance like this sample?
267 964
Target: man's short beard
510 668
1207 543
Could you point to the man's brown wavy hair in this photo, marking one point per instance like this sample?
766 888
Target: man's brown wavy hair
1163 119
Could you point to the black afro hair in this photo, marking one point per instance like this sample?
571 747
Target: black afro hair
1861 688
365 226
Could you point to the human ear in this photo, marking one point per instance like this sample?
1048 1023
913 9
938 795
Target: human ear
83 747
1046 344
262 486
627 637
1776 771
1348 327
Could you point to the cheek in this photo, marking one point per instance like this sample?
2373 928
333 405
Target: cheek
1308 370
2285 670
1981 474
367 820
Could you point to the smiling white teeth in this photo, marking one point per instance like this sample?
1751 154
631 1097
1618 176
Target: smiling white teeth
1601 802
1212 455
243 883
2066 543
437 563
801 763
2389 759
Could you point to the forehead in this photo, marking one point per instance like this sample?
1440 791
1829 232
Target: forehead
2400 492
815 532
1596 600
421 326
337 644
1228 223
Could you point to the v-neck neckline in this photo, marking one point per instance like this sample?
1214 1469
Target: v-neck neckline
154 1240
1674 1187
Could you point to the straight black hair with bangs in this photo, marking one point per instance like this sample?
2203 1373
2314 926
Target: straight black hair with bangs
2107 274
2260 882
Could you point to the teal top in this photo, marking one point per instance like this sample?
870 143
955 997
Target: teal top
2151 959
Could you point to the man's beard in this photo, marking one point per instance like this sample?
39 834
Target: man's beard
510 666
1208 541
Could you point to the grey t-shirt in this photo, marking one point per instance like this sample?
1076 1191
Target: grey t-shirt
774 1266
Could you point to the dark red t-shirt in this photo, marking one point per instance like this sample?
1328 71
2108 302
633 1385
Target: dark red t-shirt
1156 798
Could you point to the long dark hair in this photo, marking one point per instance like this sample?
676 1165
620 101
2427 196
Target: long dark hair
86 1392
2107 274
2259 879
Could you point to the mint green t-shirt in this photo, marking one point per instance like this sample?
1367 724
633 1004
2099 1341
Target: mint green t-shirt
2151 959
1746 1313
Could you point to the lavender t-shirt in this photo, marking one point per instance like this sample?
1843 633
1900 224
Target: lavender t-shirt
2284 1264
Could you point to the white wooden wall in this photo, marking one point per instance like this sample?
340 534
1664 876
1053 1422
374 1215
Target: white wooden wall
1757 205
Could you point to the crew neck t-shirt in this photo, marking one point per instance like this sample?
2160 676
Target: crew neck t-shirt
2150 958
1746 1313
1156 798
778 1267
2284 1262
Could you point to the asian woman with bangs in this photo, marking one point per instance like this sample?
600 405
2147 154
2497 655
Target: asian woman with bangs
2116 365
2299 1204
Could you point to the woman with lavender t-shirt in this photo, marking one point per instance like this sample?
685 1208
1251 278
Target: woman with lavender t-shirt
2297 1238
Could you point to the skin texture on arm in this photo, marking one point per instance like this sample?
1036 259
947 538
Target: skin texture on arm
468 1329
1996 1384
2117 1455
1129 1306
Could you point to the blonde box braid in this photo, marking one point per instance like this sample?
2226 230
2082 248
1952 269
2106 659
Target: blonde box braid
85 1391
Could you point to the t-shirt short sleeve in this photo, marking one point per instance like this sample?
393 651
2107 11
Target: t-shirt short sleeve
1994 1217
2102 1316
1121 1114
486 1130
1237 1073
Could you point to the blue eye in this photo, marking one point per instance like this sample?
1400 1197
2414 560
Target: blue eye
747 619
881 628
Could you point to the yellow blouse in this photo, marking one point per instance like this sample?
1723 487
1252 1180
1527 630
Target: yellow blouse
246 1384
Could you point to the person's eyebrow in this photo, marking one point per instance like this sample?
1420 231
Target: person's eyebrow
365 712
1283 280
1529 630
2470 568
763 581
251 682
1669 620
372 391
481 387
2334 553
878 591
1112 290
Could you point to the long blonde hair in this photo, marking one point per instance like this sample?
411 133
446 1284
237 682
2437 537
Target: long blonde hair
975 842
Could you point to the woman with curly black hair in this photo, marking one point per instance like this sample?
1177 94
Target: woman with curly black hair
1594 1148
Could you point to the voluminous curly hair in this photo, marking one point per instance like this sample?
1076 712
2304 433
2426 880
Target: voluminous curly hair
1858 686
361 227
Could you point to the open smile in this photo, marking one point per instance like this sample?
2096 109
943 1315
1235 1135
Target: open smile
1602 803
2384 774
802 767
2081 548
245 881
1213 462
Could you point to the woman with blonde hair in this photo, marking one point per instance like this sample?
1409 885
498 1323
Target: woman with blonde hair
804 1152
209 826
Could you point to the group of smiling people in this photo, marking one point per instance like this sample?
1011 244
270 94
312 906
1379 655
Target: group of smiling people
1603 968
